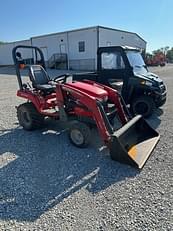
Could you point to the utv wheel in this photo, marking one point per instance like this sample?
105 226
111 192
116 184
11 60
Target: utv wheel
79 134
28 117
143 105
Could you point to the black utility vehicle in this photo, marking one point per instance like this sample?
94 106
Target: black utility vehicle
123 68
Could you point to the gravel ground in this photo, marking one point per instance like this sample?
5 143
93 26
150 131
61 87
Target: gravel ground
48 184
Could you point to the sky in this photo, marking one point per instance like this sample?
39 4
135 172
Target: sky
151 19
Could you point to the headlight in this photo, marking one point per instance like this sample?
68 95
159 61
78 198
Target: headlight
145 82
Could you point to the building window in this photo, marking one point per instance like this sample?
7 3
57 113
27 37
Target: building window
81 46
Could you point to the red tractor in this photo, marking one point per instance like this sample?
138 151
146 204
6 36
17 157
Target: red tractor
82 105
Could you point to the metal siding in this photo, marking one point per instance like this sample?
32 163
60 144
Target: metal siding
93 37
26 53
82 64
90 39
120 38
6 51
85 60
70 40
52 43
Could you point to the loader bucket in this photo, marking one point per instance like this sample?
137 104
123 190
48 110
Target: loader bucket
133 143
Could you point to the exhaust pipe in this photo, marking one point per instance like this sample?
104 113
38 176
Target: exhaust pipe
133 143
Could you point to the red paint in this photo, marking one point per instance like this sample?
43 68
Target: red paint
84 96
94 91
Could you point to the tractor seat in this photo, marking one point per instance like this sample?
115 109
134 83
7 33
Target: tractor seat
40 79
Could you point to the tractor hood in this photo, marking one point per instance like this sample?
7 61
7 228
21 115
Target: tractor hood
92 90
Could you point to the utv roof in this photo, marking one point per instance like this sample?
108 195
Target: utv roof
110 48
131 48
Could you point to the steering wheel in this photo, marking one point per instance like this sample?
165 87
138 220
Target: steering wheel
61 78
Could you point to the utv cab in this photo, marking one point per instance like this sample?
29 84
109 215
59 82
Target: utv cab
123 68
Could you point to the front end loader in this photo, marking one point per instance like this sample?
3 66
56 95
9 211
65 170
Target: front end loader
82 105
133 142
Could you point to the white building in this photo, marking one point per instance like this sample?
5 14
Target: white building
75 49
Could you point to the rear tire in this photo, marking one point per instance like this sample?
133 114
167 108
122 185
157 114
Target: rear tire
79 134
29 118
143 105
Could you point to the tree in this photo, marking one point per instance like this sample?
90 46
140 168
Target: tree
162 50
169 55
165 53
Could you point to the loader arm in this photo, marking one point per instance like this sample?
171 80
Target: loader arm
113 97
93 105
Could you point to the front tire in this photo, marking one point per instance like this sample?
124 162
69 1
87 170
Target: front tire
143 105
160 104
79 134
28 116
